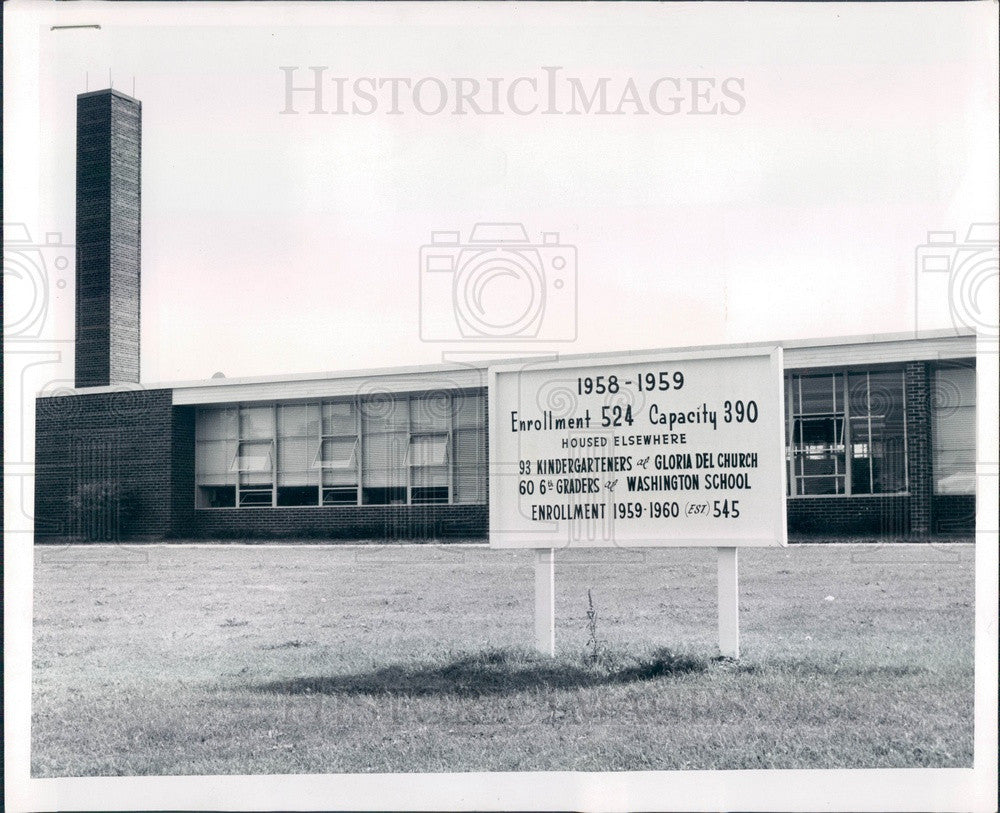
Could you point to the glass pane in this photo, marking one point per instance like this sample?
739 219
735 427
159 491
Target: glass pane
340 418
258 498
470 484
954 431
954 386
340 496
823 432
340 477
955 428
425 495
955 472
385 451
217 497
298 419
295 462
384 413
469 409
385 477
819 394
339 453
298 495
252 456
424 476
428 450
297 454
214 457
256 422
861 445
821 485
886 397
215 424
381 495
430 412
470 448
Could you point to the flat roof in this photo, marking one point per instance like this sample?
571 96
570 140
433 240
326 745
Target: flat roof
876 348
109 92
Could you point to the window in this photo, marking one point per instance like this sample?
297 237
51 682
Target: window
847 433
818 451
385 435
953 427
298 445
215 449
374 450
337 453
429 476
469 448
878 432
254 456
254 460
337 456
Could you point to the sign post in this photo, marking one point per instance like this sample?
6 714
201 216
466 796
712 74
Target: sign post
683 449
729 602
545 601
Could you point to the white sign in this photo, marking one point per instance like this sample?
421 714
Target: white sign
639 450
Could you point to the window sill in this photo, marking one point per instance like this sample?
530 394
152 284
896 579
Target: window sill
846 496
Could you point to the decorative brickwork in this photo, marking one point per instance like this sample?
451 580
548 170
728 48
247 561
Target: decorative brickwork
918 440
108 213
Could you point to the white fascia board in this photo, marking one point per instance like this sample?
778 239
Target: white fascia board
931 345
370 383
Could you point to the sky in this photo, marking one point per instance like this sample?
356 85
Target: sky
284 243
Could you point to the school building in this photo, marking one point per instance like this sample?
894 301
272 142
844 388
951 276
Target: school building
880 430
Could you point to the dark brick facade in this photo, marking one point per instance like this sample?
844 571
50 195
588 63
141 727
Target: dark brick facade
953 514
108 214
118 442
865 516
374 522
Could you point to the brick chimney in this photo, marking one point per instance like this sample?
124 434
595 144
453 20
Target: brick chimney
108 226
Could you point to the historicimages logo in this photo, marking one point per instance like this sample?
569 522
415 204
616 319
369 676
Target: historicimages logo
498 285
963 272
37 354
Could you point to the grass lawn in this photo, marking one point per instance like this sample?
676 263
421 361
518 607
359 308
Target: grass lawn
324 659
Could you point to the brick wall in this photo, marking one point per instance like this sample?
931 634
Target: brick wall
918 443
108 214
866 516
350 522
123 438
182 481
954 514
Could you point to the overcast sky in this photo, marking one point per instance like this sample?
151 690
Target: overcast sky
287 243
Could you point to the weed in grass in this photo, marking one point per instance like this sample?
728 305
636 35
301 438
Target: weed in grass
593 645
295 644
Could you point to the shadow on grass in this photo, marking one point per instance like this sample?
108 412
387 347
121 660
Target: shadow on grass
493 672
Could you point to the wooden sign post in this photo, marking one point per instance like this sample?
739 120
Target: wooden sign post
681 449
